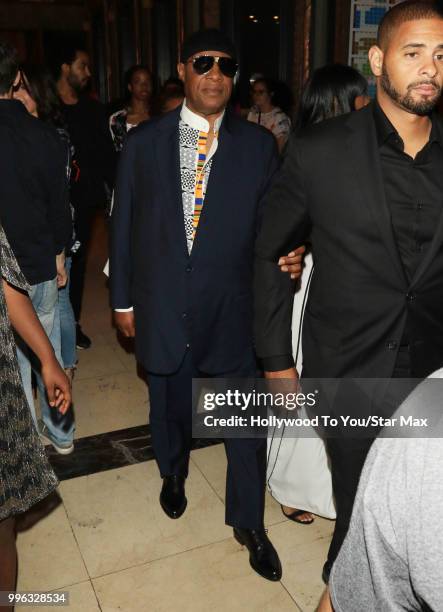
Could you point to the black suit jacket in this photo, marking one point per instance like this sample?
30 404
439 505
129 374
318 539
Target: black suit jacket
203 300
330 188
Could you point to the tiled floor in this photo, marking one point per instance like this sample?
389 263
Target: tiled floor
108 542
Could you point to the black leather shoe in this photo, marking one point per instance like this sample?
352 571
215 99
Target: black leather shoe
326 571
81 340
263 557
172 497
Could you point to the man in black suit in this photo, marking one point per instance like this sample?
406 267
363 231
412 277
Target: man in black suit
183 231
367 189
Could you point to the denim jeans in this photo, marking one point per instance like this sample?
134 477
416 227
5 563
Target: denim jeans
44 298
67 323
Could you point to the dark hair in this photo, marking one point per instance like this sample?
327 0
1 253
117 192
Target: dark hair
129 74
329 92
66 53
409 10
279 92
8 67
174 85
43 91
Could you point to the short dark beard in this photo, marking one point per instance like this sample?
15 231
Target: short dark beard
406 101
75 84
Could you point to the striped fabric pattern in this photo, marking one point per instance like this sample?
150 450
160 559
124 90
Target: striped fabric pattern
198 194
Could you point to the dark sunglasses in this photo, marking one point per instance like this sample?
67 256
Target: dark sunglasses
204 63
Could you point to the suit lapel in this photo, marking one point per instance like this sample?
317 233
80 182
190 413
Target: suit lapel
366 160
168 160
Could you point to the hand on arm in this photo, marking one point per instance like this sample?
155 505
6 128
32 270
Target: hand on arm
26 323
293 262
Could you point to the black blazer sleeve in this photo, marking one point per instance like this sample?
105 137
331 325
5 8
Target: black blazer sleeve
285 226
120 258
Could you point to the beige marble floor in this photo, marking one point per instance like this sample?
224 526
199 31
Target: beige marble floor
109 544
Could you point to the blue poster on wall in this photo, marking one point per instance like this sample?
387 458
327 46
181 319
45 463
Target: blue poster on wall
365 17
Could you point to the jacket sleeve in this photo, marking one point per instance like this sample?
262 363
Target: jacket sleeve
59 212
285 225
120 257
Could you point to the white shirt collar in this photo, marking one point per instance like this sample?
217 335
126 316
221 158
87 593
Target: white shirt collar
197 122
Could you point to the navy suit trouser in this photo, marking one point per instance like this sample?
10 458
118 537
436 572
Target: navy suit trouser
171 431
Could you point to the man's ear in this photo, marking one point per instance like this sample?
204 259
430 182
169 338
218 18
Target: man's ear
65 69
17 79
181 71
376 56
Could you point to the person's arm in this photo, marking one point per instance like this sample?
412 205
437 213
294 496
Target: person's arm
325 604
120 259
108 157
285 224
26 323
281 142
62 275
57 188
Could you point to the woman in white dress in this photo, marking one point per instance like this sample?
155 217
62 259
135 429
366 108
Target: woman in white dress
298 473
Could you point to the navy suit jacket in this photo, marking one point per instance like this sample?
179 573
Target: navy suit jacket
202 300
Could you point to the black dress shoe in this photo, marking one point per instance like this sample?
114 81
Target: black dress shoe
326 571
81 340
172 496
263 557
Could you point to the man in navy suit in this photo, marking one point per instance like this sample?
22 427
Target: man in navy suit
183 230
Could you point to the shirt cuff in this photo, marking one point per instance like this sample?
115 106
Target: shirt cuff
277 363
130 309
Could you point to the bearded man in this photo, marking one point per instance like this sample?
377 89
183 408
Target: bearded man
367 190
94 161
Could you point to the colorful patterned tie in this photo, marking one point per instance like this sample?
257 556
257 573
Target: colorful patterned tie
198 194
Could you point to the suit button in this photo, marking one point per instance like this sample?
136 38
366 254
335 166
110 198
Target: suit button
189 269
184 315
391 345
188 345
410 296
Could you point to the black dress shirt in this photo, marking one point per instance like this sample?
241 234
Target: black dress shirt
413 190
34 202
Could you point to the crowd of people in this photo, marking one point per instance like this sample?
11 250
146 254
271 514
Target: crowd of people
239 248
